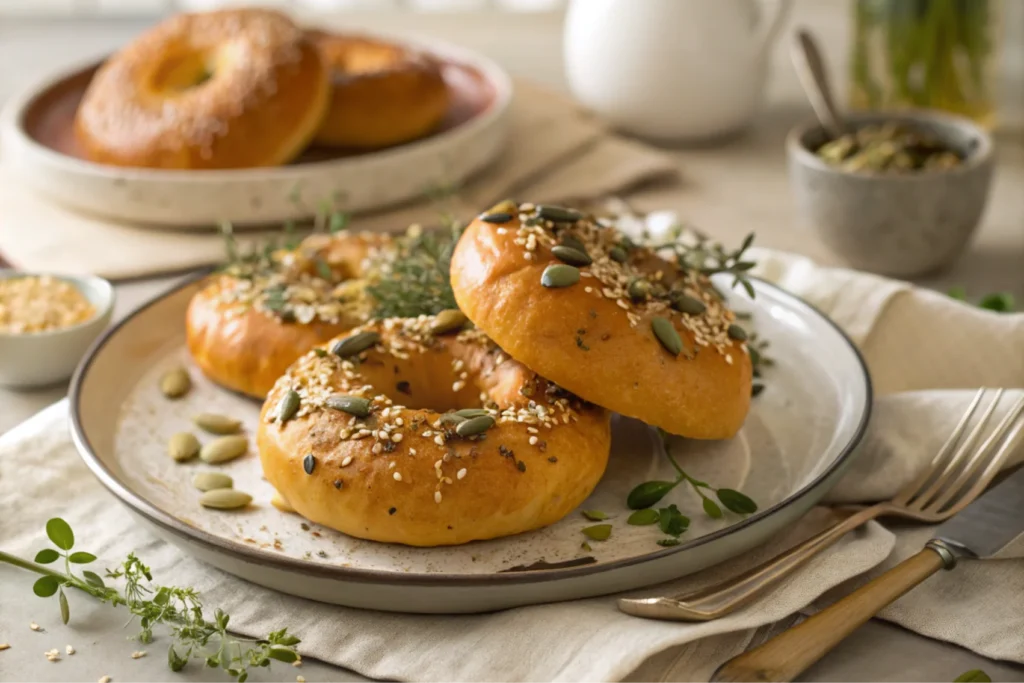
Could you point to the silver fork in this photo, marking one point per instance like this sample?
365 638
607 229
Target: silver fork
947 486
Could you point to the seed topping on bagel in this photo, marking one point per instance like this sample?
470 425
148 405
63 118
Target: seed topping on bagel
607 263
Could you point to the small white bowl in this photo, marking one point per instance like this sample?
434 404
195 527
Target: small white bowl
43 358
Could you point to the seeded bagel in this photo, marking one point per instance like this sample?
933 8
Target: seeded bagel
610 321
236 88
413 431
255 318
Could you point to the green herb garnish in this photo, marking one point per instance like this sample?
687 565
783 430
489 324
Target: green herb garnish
180 609
709 258
416 282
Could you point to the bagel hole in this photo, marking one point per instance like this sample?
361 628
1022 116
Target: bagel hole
182 72
423 382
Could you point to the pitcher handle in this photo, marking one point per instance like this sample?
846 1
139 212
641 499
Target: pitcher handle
770 27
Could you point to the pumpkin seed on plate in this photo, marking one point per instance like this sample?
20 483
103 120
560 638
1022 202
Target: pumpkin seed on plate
452 418
475 425
288 406
353 405
357 343
448 320
175 383
225 499
217 424
574 257
210 481
183 446
467 413
560 275
224 449
667 335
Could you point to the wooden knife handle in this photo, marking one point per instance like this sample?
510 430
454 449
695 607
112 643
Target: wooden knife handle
790 653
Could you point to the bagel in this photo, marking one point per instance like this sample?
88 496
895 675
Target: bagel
404 468
254 319
598 333
382 94
234 88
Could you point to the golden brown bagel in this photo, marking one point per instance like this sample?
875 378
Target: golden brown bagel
404 474
228 89
382 94
592 337
250 322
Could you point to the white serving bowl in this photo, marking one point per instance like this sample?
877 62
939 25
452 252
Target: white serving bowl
44 358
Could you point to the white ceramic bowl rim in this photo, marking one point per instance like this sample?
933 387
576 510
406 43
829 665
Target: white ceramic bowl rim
19 105
82 283
573 568
942 123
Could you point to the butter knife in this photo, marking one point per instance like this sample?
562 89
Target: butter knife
980 530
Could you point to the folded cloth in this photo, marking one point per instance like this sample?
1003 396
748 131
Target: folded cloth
555 153
900 329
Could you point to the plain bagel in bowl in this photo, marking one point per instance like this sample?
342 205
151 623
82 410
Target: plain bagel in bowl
420 432
607 319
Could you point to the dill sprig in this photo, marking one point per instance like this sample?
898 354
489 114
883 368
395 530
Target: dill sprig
416 282
179 609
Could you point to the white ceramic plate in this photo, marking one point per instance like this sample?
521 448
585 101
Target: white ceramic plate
38 141
799 437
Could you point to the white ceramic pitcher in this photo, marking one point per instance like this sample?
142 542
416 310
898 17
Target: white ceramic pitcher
686 70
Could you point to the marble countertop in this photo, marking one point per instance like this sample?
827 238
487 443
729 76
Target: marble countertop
728 191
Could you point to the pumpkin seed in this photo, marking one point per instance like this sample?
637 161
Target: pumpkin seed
217 424
598 532
574 257
225 499
468 413
618 254
280 503
560 275
573 243
175 383
667 335
638 289
309 463
288 406
357 343
475 425
687 304
452 418
496 217
736 332
183 446
558 214
210 481
504 206
448 320
353 405
223 449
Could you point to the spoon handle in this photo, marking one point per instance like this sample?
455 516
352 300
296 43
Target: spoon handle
810 68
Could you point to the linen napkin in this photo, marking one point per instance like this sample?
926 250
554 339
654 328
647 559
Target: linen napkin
555 153
901 331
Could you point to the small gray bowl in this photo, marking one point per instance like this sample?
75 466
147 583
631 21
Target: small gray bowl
902 225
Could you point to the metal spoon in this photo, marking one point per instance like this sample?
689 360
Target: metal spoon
813 74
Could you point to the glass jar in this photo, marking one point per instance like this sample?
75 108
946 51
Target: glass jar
935 54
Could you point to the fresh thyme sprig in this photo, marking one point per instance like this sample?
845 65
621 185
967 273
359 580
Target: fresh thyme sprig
671 521
180 609
708 258
417 281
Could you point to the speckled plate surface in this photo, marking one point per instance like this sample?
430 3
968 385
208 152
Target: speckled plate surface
797 440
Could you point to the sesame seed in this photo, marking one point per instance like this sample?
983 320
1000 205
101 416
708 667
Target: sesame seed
461 474
300 679
399 421
397 476
297 663
392 465
138 654
347 461
438 440
397 437
412 451
70 650
104 679
533 440
437 496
